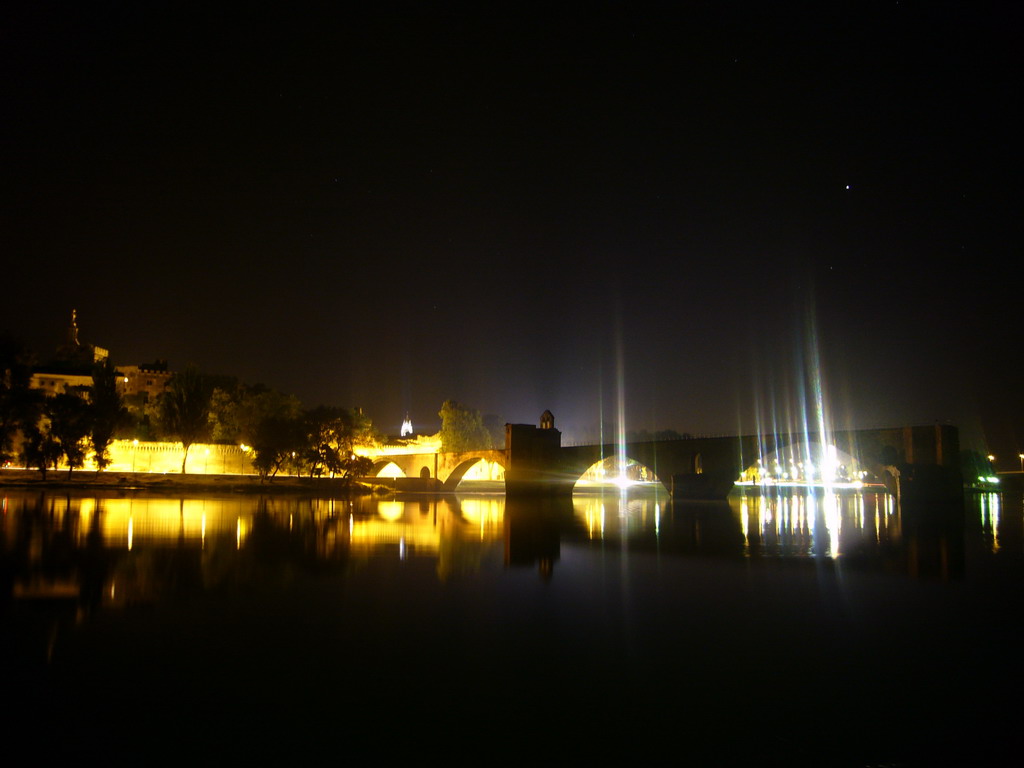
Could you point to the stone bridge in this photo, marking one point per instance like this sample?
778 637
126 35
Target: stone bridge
535 461
436 471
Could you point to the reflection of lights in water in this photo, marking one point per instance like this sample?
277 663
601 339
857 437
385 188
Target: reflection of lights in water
833 521
401 548
811 523
989 503
745 523
484 513
619 513
390 510
149 520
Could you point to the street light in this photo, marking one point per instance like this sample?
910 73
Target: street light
1021 457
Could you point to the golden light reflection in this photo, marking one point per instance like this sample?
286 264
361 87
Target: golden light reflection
390 510
416 528
485 514
132 522
745 523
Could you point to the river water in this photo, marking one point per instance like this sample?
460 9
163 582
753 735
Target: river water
806 629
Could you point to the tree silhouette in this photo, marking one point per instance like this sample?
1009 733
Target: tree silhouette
185 408
108 411
70 419
17 401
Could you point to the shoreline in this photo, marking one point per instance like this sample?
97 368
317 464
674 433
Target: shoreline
86 480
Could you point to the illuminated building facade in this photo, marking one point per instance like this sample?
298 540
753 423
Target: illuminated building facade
143 382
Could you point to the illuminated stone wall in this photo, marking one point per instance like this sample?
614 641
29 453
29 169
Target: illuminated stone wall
203 459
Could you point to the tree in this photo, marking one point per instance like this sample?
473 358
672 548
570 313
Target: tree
223 407
274 441
356 466
39 446
185 408
16 399
58 427
330 439
322 427
70 419
462 429
108 411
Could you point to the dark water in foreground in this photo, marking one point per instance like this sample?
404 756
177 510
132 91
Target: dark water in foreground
808 630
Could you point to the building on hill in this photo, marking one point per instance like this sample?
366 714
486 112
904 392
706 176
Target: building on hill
144 382
70 370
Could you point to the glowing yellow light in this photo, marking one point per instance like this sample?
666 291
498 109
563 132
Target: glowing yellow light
391 470
390 510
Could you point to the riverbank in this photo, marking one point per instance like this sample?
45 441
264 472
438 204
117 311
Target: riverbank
83 480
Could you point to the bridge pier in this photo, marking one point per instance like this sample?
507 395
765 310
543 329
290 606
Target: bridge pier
536 463
706 486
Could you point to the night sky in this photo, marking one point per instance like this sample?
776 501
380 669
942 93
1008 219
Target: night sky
711 210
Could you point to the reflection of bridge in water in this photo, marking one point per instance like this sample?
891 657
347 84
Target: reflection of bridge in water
926 458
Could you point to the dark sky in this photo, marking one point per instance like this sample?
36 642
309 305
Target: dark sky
709 210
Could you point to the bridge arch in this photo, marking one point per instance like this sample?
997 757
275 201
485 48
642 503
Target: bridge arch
386 468
608 471
465 466
803 462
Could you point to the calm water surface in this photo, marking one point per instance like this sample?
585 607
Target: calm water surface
809 629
